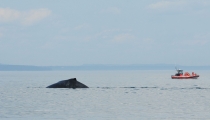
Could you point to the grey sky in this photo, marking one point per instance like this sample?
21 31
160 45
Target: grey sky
76 32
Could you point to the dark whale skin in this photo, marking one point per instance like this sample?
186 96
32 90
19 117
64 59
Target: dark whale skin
70 83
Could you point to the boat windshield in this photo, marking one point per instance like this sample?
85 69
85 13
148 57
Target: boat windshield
180 71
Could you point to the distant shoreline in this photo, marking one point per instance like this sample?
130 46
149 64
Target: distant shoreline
4 67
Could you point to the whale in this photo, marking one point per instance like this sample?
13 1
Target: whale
69 83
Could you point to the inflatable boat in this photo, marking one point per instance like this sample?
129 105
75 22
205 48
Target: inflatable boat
186 75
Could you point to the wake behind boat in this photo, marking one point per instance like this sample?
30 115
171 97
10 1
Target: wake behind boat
179 75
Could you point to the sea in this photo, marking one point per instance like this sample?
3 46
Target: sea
112 95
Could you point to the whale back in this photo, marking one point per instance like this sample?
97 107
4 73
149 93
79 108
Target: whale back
70 83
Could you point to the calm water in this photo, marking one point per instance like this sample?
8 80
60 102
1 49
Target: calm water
113 95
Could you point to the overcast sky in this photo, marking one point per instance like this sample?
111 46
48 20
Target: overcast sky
77 32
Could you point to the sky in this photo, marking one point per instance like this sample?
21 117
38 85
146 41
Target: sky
78 32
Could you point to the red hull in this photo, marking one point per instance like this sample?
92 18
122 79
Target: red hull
185 77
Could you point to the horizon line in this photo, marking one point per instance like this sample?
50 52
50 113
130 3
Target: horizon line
159 64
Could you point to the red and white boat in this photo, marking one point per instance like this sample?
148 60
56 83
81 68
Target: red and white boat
186 75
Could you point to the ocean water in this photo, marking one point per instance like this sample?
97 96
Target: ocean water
113 95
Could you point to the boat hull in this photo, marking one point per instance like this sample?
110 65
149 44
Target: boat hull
184 77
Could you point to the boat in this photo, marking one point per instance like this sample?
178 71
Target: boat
186 75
